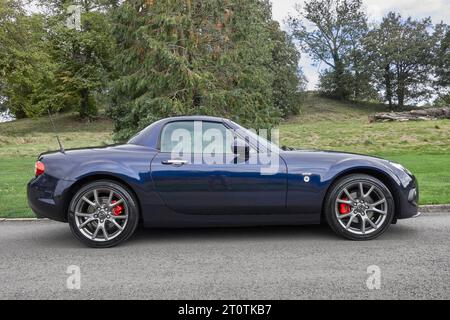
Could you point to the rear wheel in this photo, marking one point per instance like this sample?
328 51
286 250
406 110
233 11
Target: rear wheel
103 214
359 207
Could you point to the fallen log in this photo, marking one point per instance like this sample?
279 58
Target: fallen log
413 115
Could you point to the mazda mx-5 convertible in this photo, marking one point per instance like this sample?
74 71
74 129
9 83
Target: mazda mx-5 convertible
197 171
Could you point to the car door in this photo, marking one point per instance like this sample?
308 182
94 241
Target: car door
196 181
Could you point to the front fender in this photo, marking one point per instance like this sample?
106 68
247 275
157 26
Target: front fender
403 187
348 166
306 195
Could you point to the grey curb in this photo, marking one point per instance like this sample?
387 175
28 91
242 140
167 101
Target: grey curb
423 209
22 219
435 208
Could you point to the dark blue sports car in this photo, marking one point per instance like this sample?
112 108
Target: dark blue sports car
206 171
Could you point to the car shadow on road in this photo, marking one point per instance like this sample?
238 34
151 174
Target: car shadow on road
234 233
309 233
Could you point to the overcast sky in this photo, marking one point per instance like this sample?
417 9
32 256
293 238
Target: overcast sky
438 10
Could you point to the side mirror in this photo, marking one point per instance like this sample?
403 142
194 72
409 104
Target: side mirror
240 147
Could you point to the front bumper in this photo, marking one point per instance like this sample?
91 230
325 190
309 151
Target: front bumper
47 197
408 201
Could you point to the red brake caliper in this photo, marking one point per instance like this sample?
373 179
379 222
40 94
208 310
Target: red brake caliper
343 207
117 210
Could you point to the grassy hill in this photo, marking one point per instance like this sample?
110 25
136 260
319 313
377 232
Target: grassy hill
30 137
423 147
329 124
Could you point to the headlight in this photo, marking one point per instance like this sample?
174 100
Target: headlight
400 167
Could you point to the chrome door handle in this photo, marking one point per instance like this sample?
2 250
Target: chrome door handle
174 162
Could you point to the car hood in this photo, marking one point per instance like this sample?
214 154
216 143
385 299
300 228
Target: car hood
328 155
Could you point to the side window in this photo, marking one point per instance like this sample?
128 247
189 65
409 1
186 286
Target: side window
177 135
196 137
217 138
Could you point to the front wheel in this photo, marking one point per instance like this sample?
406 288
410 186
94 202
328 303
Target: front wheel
103 214
359 207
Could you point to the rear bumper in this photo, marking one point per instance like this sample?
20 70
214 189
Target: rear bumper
47 197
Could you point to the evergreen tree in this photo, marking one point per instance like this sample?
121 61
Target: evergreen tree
288 77
182 57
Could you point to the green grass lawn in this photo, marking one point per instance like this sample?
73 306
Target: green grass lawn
423 147
432 172
30 137
14 175
23 140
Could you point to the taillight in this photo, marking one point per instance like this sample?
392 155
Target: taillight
39 168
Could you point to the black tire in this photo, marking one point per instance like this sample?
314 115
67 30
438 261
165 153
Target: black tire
331 207
129 203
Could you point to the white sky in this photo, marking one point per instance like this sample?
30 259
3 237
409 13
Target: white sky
438 10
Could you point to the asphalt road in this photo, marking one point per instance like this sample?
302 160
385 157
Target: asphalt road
240 263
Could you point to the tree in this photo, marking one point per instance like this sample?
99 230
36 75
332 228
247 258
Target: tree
26 69
330 32
194 57
288 77
84 55
358 73
442 60
442 65
401 52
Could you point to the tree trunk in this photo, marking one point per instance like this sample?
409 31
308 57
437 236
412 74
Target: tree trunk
400 87
417 114
339 79
388 85
84 107
196 99
401 95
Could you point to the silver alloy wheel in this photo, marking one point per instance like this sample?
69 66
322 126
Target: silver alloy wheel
101 214
365 207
